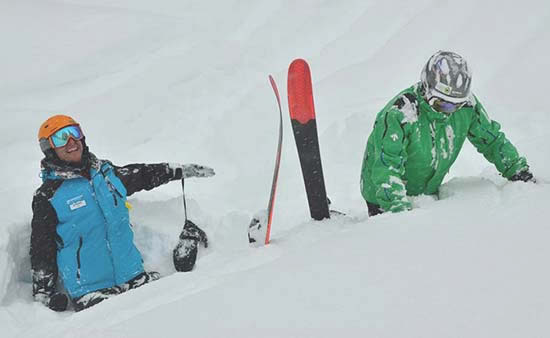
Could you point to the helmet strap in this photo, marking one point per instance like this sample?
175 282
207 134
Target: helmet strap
45 144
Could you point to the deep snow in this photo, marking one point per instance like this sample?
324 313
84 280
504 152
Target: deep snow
183 81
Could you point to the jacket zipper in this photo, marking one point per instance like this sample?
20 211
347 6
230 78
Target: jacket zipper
114 191
104 227
78 259
114 199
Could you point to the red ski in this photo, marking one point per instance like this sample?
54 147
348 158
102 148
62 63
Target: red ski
258 230
271 203
304 125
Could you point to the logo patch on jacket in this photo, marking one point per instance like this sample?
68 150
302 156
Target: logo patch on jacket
76 202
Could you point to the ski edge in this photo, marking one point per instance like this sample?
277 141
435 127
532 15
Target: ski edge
271 203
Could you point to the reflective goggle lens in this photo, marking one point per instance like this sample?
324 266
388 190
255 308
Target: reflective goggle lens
443 106
61 137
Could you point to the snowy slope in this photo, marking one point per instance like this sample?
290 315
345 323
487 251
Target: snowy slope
187 82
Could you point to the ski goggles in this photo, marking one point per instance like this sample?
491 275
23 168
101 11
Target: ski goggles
445 107
61 137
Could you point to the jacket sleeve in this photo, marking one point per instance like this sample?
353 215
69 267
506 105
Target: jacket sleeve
43 248
390 156
486 136
137 177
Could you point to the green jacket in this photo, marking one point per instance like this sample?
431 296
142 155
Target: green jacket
412 148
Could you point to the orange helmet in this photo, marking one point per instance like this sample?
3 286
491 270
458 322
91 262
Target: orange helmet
52 125
55 123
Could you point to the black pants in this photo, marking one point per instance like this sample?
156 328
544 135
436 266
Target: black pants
374 209
95 297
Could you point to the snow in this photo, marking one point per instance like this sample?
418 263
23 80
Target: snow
186 82
444 153
409 110
451 138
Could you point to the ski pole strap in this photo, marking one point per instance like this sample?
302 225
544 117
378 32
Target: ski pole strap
184 203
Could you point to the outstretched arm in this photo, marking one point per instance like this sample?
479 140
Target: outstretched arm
137 177
490 141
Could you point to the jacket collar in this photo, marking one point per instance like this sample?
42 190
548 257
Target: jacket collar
54 169
426 109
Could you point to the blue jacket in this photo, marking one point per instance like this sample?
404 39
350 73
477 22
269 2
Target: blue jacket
82 215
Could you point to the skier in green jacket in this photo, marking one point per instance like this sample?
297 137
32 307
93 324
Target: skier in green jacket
419 133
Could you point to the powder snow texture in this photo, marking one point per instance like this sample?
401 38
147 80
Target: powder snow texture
186 82
409 111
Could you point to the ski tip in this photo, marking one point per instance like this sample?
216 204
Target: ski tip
299 61
272 81
275 89
298 64
300 92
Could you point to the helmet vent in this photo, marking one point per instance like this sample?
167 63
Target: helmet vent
444 67
459 81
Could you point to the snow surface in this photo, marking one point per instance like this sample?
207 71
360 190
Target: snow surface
186 81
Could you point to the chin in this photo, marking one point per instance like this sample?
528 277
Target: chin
78 160
75 159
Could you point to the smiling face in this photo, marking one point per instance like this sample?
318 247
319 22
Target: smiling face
71 152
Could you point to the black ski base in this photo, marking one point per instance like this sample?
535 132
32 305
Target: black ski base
307 143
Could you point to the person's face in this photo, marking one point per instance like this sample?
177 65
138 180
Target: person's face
71 152
443 106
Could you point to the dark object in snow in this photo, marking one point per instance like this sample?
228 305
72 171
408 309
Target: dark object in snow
257 228
524 176
304 125
374 209
185 253
254 224
58 302
333 212
96 297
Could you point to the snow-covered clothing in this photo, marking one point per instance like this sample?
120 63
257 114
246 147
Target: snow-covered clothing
412 148
95 297
81 227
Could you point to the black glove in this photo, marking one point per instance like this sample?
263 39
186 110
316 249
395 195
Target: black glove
185 253
192 231
58 302
524 176
190 170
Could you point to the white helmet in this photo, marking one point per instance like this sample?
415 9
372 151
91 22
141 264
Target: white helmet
448 77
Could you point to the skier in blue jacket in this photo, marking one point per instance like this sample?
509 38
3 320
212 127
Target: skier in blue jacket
81 229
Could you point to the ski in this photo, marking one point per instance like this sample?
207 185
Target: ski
271 203
304 126
255 231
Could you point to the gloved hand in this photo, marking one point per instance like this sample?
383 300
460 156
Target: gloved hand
524 176
56 302
190 170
